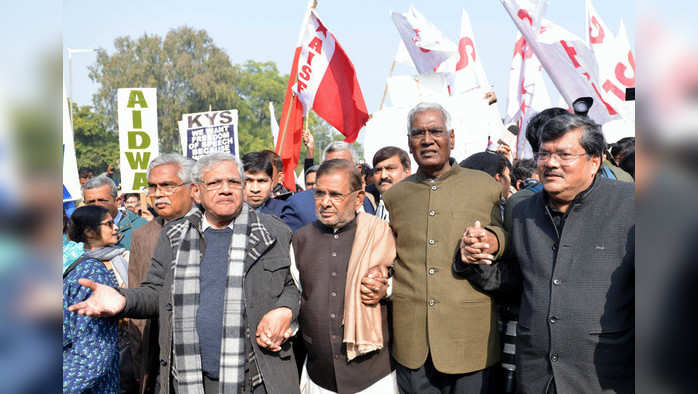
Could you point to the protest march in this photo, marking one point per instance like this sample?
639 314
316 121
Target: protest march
457 238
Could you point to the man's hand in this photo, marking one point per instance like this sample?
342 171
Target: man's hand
374 285
274 328
504 149
478 245
104 301
491 98
309 143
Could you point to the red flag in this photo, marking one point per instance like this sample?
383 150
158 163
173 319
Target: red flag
288 143
326 80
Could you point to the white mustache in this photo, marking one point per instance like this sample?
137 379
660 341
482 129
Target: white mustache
163 200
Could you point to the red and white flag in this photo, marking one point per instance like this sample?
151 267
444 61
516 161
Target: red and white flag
527 93
427 46
322 78
567 59
614 57
326 80
465 69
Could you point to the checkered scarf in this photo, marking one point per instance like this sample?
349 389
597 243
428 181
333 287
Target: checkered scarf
187 372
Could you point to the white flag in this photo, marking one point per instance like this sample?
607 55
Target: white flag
274 123
401 55
567 59
465 69
427 46
614 57
71 181
527 93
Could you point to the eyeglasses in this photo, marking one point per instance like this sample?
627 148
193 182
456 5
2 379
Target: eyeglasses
335 197
166 188
108 223
218 183
419 133
562 157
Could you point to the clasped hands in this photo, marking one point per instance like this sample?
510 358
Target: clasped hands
374 285
478 246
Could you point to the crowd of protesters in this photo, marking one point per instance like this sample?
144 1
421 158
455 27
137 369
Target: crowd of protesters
490 275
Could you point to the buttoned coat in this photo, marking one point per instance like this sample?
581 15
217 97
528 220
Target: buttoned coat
434 310
577 315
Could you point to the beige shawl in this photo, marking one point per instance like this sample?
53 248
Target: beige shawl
373 245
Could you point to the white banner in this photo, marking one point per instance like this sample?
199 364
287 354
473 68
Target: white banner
471 120
138 135
408 90
71 180
208 132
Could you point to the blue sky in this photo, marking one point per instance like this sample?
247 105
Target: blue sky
268 30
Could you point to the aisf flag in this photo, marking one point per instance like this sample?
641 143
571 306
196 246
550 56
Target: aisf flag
326 80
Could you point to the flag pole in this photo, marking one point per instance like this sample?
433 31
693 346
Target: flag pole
385 91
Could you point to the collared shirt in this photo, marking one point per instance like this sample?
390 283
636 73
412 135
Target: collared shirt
118 217
205 223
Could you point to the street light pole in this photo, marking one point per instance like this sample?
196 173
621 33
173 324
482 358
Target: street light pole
70 68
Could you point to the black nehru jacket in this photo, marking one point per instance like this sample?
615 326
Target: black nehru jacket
322 257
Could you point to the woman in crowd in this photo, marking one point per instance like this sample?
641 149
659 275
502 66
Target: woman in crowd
90 345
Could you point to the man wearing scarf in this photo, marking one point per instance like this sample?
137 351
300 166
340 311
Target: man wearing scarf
342 264
220 284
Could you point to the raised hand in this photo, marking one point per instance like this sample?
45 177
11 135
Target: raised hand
478 245
105 301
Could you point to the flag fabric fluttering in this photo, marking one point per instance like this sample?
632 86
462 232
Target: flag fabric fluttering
464 69
528 94
614 57
427 46
326 80
566 58
322 79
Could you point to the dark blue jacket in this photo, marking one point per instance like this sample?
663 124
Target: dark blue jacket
272 207
299 209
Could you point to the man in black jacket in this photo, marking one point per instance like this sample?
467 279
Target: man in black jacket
575 268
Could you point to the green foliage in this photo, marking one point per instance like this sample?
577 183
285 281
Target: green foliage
191 73
95 146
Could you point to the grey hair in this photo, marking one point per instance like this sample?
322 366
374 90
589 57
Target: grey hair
212 159
100 181
423 107
338 146
185 165
592 139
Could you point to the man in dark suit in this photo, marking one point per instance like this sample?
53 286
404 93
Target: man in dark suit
574 245
299 209
259 171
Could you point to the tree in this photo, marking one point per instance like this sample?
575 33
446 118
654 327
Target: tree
95 146
189 71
